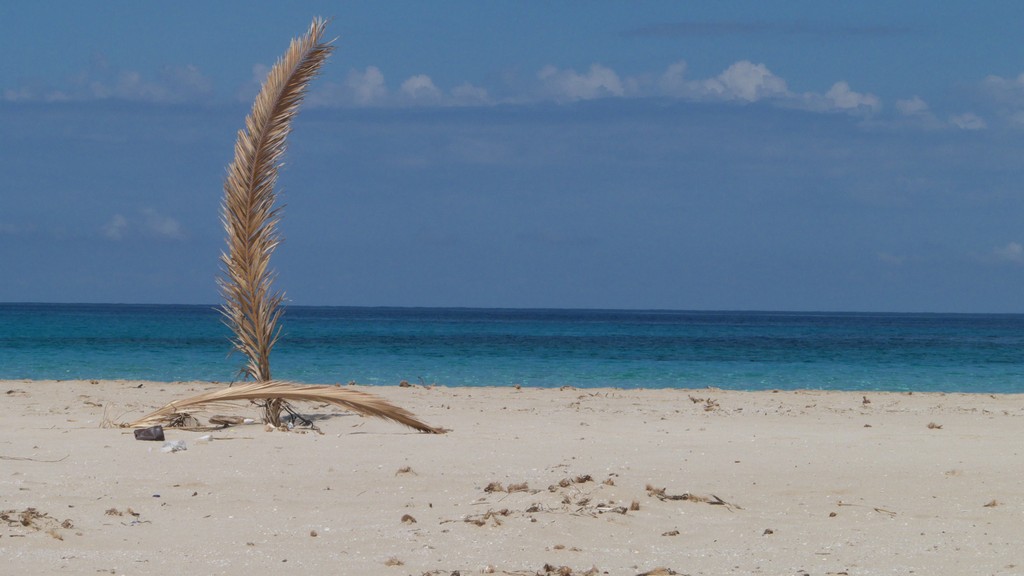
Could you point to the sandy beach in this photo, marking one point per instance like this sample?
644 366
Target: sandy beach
527 481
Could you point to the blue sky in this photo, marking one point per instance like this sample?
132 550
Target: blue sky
862 156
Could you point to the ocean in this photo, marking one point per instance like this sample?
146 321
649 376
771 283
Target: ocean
982 353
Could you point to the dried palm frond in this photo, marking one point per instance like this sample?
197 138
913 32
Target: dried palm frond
249 212
355 400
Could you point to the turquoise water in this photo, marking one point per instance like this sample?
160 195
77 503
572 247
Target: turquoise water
584 348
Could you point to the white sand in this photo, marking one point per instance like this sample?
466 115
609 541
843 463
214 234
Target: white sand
813 483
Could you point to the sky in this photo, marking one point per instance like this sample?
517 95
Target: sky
735 155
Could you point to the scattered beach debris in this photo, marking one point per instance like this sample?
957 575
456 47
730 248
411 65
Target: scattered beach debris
32 520
225 421
408 519
116 512
498 487
569 496
153 433
582 479
183 420
875 508
406 470
671 533
27 459
934 426
393 562
661 571
552 570
710 404
492 515
992 504
661 494
174 446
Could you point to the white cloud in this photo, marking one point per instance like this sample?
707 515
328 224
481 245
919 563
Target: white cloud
368 86
23 94
467 94
746 81
1005 91
149 223
743 81
174 84
1007 97
672 82
912 107
186 83
360 89
420 88
569 85
116 227
102 81
1012 252
915 112
841 97
162 226
968 121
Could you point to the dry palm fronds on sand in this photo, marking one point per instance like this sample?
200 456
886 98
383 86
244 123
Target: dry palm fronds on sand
250 216
250 213
355 400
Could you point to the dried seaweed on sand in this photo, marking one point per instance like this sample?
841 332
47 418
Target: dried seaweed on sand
661 494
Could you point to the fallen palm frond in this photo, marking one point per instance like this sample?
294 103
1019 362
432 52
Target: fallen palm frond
355 400
250 213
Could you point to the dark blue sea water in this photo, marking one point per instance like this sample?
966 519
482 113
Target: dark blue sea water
583 348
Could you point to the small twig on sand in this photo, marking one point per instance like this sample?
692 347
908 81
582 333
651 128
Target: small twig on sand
875 508
23 458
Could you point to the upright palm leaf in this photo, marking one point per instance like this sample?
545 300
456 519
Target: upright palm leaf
250 215
249 212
